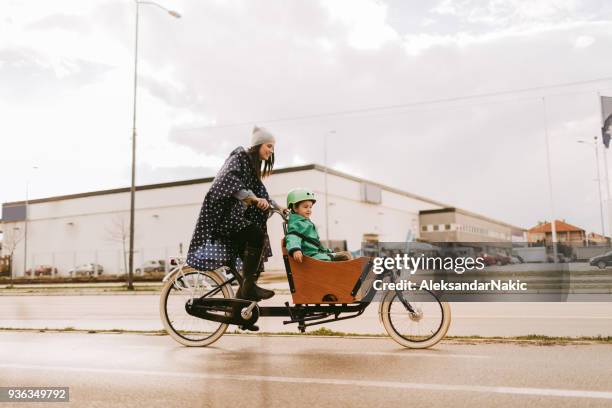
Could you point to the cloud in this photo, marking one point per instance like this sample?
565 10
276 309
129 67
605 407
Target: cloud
29 76
70 22
206 79
584 41
513 12
365 22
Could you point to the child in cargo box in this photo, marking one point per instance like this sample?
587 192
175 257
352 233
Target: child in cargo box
302 237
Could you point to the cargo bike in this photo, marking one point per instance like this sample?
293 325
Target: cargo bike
197 307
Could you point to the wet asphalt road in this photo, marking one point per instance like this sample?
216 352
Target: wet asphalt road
141 312
105 370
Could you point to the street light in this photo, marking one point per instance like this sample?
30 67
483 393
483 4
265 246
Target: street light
331 132
594 144
25 222
13 245
152 3
550 187
133 184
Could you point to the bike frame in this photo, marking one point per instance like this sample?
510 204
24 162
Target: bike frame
306 315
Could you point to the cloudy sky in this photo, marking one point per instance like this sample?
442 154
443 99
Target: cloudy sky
392 79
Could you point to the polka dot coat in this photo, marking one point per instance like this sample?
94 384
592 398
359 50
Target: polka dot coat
222 215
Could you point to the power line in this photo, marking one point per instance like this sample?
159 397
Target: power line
400 106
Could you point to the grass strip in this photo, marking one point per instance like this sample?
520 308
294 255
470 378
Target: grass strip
325 332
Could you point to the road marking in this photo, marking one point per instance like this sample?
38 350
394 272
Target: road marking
313 352
411 353
401 353
530 317
545 392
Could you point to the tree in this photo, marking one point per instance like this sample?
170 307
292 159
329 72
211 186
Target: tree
119 231
10 239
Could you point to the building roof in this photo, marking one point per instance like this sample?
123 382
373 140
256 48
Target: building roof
596 235
210 179
560 226
469 213
306 167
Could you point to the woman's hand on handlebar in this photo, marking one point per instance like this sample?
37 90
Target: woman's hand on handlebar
297 256
263 204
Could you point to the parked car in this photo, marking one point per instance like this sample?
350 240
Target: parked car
560 258
158 265
43 270
502 259
601 261
488 259
5 265
88 269
516 260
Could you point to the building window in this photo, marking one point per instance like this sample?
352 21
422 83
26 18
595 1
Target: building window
424 228
435 227
447 227
371 193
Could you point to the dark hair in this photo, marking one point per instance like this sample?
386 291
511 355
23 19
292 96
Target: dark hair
263 168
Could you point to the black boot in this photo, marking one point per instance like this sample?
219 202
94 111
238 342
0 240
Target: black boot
261 292
250 266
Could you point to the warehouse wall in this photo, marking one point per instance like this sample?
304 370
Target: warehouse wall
70 232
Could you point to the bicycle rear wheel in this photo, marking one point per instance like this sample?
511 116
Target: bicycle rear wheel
186 286
424 327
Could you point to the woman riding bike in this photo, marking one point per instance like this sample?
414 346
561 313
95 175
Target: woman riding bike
232 221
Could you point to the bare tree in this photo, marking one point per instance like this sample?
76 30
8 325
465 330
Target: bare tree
10 239
119 231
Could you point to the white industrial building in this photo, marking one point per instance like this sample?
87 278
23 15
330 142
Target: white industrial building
70 230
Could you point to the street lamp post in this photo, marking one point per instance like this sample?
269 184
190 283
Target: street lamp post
594 144
550 185
604 153
25 232
133 183
607 183
331 132
25 224
11 261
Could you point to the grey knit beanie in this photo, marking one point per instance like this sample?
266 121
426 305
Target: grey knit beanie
261 135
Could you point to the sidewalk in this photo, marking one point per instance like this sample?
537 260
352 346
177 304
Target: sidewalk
110 289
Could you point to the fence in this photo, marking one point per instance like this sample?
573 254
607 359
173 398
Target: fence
5 265
112 262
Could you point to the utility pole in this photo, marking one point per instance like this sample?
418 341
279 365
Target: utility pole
603 232
25 232
550 186
133 184
25 222
605 160
326 191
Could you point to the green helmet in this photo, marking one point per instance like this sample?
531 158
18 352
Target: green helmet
299 194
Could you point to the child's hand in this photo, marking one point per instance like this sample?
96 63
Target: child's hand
297 256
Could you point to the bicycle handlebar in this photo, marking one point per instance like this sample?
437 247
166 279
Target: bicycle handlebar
275 210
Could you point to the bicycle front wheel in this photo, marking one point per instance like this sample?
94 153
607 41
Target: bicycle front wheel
186 286
424 327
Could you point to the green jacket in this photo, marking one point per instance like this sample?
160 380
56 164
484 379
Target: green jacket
304 227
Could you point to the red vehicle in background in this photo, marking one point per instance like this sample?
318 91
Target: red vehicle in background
503 259
495 259
42 270
488 259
